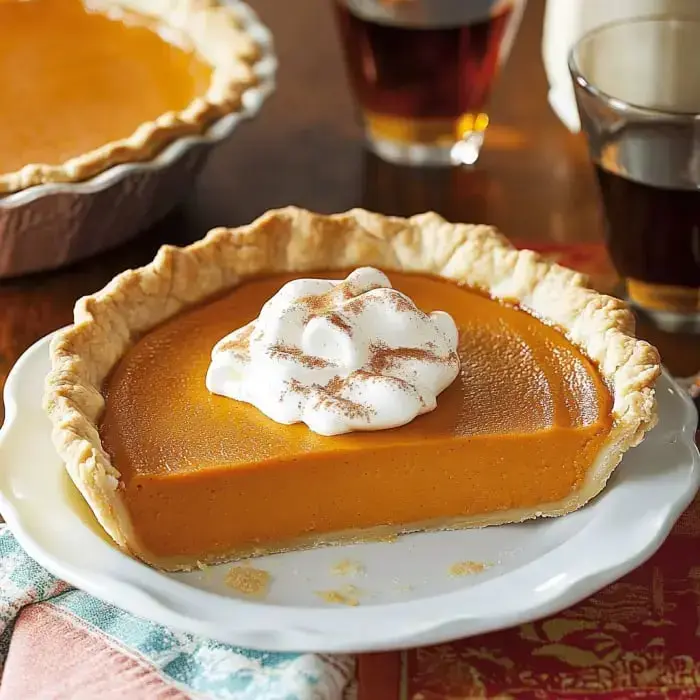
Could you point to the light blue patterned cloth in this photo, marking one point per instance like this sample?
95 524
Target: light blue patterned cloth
182 663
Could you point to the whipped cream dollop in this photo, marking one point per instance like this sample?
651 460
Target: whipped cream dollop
339 355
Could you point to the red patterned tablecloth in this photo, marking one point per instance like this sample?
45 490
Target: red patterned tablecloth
637 638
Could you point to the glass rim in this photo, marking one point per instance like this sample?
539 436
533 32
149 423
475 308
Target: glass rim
581 81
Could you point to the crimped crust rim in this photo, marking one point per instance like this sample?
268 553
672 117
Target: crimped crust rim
296 240
217 34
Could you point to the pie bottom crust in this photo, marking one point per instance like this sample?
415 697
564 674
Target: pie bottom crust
107 323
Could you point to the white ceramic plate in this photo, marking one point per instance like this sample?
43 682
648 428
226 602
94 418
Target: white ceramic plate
407 596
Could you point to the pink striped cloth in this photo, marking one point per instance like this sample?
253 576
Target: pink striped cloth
57 642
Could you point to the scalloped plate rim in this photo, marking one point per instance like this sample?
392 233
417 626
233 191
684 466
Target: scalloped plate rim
143 591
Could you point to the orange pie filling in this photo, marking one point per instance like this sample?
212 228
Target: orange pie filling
75 79
207 476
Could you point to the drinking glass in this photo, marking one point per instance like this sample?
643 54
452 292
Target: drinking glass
637 86
422 71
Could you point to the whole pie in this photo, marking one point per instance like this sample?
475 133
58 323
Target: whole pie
88 85
552 389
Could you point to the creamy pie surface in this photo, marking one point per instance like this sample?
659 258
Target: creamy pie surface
522 386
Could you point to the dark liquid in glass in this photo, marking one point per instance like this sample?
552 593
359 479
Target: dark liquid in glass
422 73
652 205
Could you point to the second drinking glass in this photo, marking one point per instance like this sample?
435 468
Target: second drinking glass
422 71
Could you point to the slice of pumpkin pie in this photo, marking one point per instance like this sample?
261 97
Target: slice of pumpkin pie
315 379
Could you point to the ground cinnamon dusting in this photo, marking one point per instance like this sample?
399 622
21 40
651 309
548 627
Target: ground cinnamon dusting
330 395
298 388
401 302
239 344
348 290
318 303
251 582
356 306
466 568
340 323
384 357
289 352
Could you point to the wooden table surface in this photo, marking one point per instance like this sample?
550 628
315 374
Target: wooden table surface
533 181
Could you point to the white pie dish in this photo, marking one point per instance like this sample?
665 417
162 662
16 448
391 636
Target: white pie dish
51 225
407 596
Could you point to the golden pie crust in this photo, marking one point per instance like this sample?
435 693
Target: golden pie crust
216 34
294 240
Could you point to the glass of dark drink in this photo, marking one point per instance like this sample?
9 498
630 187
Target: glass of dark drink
422 71
637 86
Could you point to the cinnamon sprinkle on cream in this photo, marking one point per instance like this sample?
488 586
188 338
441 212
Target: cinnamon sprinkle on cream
401 302
330 397
384 357
370 360
340 323
240 343
317 304
289 352
356 306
